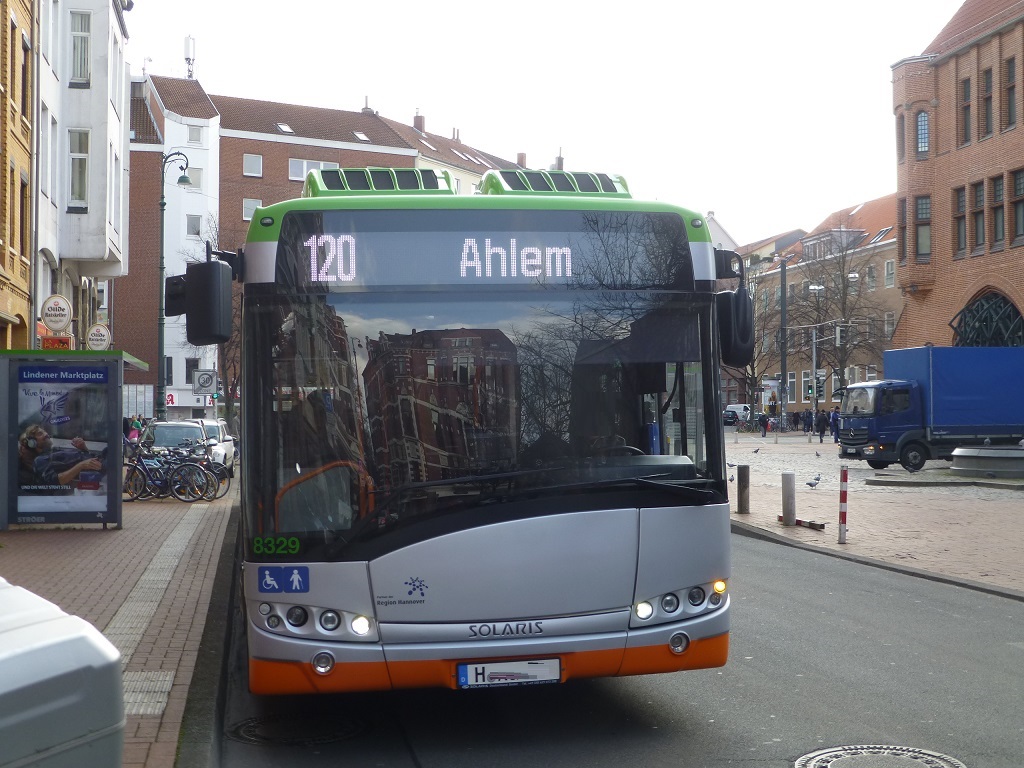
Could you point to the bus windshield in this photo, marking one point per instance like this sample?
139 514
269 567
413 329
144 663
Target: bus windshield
385 407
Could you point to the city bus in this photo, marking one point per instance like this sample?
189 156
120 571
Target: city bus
482 440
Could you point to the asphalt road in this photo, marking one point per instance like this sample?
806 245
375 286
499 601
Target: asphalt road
825 652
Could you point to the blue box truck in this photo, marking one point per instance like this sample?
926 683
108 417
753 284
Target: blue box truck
932 400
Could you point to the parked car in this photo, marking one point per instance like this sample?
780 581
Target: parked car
735 413
172 434
223 450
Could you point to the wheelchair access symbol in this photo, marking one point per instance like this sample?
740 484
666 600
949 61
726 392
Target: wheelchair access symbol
288 578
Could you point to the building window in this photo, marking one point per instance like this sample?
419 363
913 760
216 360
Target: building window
193 225
44 150
791 384
965 111
26 75
169 370
79 148
890 324
901 138
960 221
901 229
978 216
195 134
923 229
252 165
191 366
986 104
249 206
80 53
869 277
1010 93
997 213
1018 205
890 273
922 133
195 178
297 168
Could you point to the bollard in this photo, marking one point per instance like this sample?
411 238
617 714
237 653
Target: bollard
843 477
743 489
789 498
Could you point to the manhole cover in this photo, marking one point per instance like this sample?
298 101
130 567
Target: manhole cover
875 756
295 732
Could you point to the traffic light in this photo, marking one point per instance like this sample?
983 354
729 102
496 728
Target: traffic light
810 391
216 393
841 331
820 389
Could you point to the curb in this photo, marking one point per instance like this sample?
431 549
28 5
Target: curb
755 532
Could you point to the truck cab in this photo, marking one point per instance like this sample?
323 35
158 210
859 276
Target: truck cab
882 422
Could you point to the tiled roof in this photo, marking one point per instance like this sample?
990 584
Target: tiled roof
870 217
449 151
144 130
239 114
184 97
790 236
974 20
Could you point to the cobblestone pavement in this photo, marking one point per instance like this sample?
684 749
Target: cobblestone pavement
959 529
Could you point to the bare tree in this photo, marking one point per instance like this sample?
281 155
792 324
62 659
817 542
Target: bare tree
832 288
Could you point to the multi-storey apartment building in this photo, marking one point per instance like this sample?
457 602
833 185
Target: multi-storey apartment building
242 154
960 188
81 160
16 122
842 306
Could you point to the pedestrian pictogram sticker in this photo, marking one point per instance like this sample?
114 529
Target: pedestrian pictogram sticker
284 578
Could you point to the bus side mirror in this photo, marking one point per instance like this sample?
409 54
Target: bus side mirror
736 320
203 295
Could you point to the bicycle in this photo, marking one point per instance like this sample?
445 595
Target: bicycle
168 475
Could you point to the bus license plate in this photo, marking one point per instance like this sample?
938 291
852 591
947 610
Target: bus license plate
501 673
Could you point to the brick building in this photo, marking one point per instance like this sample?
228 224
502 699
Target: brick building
842 306
960 188
16 121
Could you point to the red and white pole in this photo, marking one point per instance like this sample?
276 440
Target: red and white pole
843 477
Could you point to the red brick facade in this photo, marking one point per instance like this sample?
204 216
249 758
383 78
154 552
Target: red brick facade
959 111
136 295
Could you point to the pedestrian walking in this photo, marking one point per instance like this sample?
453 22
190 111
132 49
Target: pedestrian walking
821 424
762 421
808 421
833 424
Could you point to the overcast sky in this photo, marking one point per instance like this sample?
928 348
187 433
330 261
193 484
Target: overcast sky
771 114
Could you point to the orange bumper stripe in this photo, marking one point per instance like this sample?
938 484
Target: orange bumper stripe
281 677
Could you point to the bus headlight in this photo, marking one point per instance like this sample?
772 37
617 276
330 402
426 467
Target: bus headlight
360 625
719 586
695 596
644 610
296 616
330 620
670 603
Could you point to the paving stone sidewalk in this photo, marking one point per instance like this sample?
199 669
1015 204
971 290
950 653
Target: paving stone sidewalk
147 587
958 529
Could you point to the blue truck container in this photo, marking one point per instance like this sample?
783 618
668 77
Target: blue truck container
932 400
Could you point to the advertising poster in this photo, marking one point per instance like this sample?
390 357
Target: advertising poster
63 432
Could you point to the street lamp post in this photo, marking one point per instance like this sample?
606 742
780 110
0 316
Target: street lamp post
160 406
